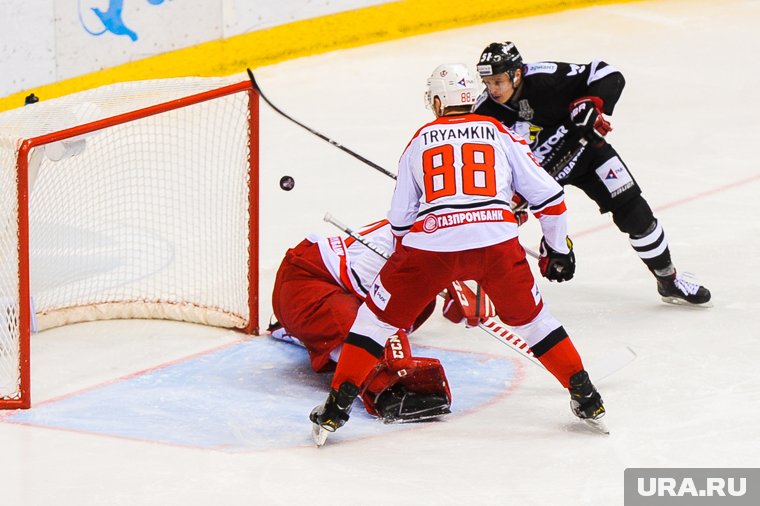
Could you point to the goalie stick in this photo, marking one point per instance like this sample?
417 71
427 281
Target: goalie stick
279 111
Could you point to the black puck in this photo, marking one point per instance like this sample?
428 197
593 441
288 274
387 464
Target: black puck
287 183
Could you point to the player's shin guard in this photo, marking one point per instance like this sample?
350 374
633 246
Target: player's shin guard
558 354
358 358
652 247
360 355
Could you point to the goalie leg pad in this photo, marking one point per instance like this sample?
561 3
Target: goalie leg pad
407 388
398 405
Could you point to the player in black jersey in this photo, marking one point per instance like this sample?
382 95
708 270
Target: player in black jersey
560 108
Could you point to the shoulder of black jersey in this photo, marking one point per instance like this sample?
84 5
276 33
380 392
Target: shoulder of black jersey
486 106
547 74
481 101
543 68
599 69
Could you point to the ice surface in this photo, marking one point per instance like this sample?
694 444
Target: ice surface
687 128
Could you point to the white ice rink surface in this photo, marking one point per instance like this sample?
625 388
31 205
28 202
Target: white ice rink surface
686 126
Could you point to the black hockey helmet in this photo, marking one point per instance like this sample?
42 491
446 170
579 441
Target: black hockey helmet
499 57
31 99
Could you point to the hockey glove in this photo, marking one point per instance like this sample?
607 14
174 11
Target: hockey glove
519 206
521 216
556 266
586 113
462 304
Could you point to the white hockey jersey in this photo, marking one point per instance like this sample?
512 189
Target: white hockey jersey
456 180
352 264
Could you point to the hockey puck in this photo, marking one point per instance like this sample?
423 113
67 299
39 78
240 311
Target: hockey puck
287 183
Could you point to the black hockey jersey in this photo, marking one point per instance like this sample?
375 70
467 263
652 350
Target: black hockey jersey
548 89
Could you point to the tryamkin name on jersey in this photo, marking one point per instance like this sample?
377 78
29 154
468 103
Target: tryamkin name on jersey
444 134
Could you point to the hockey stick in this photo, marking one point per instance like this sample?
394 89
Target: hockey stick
356 155
557 167
329 218
491 326
314 132
495 328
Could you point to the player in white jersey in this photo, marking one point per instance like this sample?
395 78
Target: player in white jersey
451 216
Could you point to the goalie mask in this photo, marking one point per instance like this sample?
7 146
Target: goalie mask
453 84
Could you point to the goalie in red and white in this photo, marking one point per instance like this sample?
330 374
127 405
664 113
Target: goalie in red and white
317 291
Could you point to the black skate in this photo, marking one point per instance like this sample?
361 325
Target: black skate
677 289
397 405
333 414
586 403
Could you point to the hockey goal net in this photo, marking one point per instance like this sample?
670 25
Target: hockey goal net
134 200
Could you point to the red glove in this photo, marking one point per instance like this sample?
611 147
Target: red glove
521 217
519 206
462 304
587 114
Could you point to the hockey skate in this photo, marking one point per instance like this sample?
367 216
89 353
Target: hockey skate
334 413
586 403
684 290
397 405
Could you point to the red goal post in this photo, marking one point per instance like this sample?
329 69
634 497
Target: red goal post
133 200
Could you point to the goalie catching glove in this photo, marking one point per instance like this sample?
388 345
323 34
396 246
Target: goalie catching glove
556 266
587 115
462 304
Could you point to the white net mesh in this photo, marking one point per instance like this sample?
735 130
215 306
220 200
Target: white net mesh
145 219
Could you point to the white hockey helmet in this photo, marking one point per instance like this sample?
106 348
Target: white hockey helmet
453 84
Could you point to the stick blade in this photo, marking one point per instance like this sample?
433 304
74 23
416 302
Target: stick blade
611 363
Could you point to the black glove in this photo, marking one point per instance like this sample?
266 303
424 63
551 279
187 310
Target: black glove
556 266
586 114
